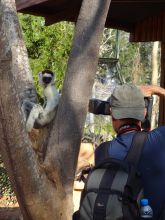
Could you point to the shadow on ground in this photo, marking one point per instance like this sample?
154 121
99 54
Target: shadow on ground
9 213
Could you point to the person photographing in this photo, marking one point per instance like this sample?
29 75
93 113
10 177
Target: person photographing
128 112
128 179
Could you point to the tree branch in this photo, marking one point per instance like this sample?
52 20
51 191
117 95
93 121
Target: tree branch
67 131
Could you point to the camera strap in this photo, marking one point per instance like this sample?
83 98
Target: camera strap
127 128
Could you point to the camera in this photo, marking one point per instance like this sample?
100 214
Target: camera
100 107
146 124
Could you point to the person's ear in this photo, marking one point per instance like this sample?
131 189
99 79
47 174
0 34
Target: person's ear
110 111
145 112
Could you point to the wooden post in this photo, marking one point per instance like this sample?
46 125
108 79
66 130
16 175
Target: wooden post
162 84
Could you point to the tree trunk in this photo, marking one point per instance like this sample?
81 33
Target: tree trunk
162 84
44 188
154 81
137 67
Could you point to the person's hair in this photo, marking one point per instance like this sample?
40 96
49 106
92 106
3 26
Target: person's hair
130 120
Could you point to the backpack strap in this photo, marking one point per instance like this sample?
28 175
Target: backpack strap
101 153
134 183
135 151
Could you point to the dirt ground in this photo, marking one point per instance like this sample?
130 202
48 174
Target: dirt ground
9 208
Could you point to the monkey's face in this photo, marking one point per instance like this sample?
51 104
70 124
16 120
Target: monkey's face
46 78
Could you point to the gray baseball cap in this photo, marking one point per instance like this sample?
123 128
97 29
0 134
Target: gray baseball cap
127 101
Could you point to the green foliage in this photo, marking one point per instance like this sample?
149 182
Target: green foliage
48 46
133 58
146 60
126 56
128 59
134 66
100 131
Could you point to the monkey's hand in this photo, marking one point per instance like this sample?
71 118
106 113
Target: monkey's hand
34 115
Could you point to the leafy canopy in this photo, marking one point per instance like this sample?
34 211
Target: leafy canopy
48 46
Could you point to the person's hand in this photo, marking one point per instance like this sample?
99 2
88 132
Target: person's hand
149 90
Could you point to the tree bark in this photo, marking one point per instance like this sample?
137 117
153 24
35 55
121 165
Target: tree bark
44 190
34 191
77 89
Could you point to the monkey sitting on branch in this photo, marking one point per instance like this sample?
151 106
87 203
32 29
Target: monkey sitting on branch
37 115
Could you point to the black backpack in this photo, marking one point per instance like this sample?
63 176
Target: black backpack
113 187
